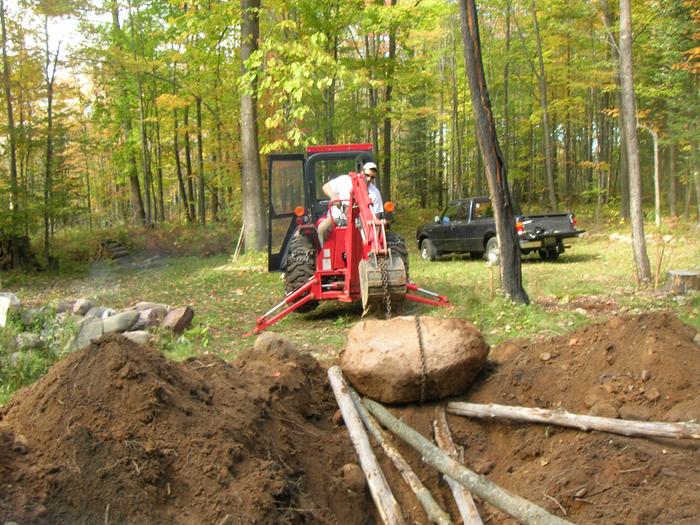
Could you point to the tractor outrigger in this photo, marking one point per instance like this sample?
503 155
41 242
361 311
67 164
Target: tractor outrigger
361 259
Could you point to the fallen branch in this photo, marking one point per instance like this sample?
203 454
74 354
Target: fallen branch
686 430
463 498
515 506
435 513
381 493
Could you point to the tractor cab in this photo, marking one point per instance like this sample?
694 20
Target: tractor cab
295 182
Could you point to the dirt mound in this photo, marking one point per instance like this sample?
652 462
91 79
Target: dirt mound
118 434
639 367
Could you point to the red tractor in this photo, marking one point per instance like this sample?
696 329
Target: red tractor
361 259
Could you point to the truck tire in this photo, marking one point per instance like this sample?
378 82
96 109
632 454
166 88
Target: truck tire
397 244
492 251
428 251
301 266
549 254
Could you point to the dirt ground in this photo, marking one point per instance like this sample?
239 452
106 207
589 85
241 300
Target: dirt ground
116 434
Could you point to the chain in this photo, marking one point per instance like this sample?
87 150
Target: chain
385 285
424 366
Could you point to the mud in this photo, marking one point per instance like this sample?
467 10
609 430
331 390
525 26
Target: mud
119 434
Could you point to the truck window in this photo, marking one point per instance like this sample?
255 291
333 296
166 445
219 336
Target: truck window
454 212
482 210
328 169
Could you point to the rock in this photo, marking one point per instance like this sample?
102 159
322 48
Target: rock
82 306
354 477
179 319
545 356
634 412
96 311
140 337
30 315
13 299
652 394
20 444
580 493
4 308
274 344
109 312
696 339
64 306
120 322
90 329
152 316
646 375
604 409
382 359
143 305
28 341
684 411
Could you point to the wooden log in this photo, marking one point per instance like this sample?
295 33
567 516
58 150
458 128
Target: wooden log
683 281
435 513
685 430
463 498
515 506
387 506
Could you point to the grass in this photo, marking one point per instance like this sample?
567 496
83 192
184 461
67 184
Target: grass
588 283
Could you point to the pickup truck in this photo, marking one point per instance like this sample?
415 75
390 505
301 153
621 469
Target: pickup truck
468 226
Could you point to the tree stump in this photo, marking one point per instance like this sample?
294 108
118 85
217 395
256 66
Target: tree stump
682 281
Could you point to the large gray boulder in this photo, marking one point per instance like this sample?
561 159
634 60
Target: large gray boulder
140 337
382 359
146 305
90 329
120 322
28 341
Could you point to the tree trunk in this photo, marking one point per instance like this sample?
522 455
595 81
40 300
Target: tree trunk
11 237
544 105
178 170
49 77
672 180
159 158
200 165
629 118
511 273
251 180
188 165
386 142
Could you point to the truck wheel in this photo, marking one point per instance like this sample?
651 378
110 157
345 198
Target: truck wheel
549 254
427 250
492 251
301 265
476 255
398 247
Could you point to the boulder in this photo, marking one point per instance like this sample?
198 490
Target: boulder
4 309
96 311
13 300
108 312
64 306
179 319
152 316
140 337
120 322
382 359
30 315
90 329
354 477
145 305
82 306
28 341
274 344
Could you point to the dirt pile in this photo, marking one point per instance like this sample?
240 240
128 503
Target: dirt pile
638 367
119 434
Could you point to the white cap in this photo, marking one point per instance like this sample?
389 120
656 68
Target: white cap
369 166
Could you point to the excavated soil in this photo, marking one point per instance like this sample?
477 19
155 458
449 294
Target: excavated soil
118 434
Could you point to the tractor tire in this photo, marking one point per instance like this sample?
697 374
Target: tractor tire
301 266
397 244
492 251
428 251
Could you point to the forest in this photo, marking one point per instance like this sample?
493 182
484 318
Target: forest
143 112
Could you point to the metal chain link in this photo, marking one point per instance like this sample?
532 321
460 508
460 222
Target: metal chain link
424 366
385 285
